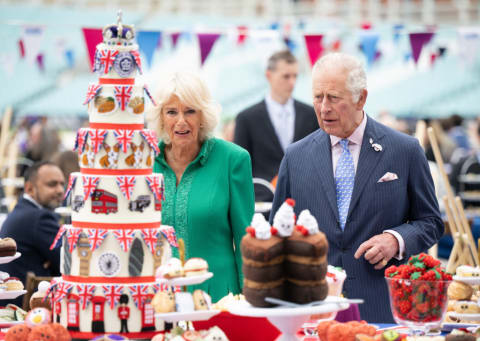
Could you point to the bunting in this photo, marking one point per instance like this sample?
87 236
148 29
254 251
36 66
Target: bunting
85 292
32 39
165 287
156 185
59 235
72 237
71 182
169 233
123 94
139 294
206 42
62 290
175 37
126 184
138 61
125 238
242 34
96 138
417 41
112 294
53 284
89 185
151 138
92 91
96 237
150 237
82 135
369 42
148 42
107 57
124 137
314 46
92 37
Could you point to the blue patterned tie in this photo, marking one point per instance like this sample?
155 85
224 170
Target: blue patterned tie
344 179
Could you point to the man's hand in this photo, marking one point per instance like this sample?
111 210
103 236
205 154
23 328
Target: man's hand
379 249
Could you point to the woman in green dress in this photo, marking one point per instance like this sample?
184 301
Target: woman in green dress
209 197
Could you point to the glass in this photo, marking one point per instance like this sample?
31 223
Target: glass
419 305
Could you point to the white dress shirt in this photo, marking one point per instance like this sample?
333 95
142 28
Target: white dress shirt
282 117
29 198
354 146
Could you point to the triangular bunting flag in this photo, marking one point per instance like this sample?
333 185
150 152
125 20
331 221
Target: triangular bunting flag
124 137
85 292
151 138
150 237
156 185
40 62
242 34
62 289
71 182
93 37
169 233
72 237
123 94
417 41
112 294
138 61
92 91
70 57
175 37
21 48
139 294
206 42
369 42
80 140
126 183
96 237
125 238
148 42
32 37
96 138
89 185
314 46
59 235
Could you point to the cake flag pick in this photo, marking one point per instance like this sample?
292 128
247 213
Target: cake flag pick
112 294
139 294
96 138
124 137
71 182
85 292
126 184
92 91
89 185
96 237
80 140
125 238
145 88
151 138
123 94
155 183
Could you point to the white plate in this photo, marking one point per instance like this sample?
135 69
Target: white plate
465 317
451 325
8 259
468 280
186 280
262 206
6 324
198 315
10 294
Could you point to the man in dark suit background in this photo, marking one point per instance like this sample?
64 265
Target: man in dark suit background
268 127
368 186
34 225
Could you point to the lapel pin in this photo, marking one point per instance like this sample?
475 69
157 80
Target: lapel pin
377 147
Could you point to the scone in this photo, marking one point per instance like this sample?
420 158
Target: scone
466 307
459 291
8 247
201 300
164 302
195 267
13 284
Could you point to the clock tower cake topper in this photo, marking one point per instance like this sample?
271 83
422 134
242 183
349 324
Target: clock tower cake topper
116 239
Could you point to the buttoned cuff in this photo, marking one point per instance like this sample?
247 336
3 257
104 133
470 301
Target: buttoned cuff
401 243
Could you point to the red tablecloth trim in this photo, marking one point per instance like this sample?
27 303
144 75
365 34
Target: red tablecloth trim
94 171
109 280
114 226
132 126
117 81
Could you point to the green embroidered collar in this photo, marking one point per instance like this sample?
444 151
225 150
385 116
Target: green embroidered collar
202 156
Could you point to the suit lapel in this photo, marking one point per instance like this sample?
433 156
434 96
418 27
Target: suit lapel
367 161
270 133
322 146
298 124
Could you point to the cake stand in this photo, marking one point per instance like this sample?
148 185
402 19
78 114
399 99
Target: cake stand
8 259
288 320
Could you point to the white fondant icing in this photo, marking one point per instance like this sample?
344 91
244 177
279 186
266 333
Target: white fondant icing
307 220
261 226
284 220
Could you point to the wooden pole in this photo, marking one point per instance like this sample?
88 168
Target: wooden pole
466 228
11 174
456 255
6 120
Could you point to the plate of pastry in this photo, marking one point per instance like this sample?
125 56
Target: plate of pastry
197 315
189 280
465 317
11 294
8 259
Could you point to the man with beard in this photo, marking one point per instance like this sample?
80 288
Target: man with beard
34 225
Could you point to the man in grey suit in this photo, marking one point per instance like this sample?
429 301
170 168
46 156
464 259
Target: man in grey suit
369 186
267 128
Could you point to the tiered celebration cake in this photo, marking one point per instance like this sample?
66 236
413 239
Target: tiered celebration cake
116 240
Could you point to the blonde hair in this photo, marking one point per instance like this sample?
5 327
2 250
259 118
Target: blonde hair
193 92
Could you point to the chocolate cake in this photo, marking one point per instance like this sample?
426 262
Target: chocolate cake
8 247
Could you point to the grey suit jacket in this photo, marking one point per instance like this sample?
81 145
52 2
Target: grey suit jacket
407 205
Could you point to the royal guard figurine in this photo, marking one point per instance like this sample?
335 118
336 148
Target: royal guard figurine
158 251
123 313
98 302
148 314
84 253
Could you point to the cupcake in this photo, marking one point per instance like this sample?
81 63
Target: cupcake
13 284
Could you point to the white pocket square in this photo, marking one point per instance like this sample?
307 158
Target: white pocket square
388 177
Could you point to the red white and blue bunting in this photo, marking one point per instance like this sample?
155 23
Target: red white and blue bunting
89 185
125 238
92 91
96 237
150 237
139 294
80 140
124 137
151 138
61 290
169 233
122 95
107 58
71 182
126 183
96 138
145 88
156 185
112 294
59 235
138 61
85 292
72 237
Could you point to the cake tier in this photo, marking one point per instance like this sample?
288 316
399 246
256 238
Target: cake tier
117 61
114 254
92 309
116 150
129 201
116 104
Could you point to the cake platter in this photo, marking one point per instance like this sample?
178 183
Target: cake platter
288 320
467 280
197 315
189 280
10 294
8 259
465 317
